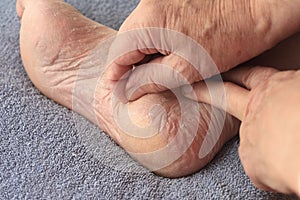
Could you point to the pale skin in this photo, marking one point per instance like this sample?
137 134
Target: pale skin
56 40
267 102
53 51
262 25
216 25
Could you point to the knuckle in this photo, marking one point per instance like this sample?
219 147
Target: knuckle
187 70
267 72
258 74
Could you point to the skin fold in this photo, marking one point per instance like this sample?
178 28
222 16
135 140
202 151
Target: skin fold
59 49
267 102
231 32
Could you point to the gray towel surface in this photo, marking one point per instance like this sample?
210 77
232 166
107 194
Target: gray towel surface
43 146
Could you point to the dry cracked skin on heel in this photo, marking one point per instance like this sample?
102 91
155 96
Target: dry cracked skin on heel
56 41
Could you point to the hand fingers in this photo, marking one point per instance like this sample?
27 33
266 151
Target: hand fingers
114 78
126 50
227 96
115 72
130 48
249 77
160 74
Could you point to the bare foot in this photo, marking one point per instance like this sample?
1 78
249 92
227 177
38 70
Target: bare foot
58 44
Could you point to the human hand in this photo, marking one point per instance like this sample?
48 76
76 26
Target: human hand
267 103
222 28
165 132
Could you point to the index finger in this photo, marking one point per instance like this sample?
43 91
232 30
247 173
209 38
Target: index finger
233 96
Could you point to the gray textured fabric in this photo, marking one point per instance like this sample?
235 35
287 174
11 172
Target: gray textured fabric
43 151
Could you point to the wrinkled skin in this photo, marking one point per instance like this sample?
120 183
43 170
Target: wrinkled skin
56 41
269 134
231 32
269 124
